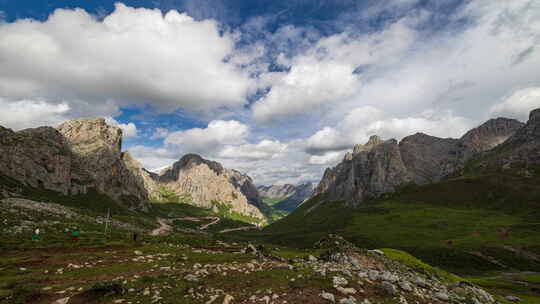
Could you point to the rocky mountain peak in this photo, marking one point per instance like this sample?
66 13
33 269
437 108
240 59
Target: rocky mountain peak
373 141
491 133
207 181
89 135
187 162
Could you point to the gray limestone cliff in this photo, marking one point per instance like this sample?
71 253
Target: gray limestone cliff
207 181
98 160
521 150
380 167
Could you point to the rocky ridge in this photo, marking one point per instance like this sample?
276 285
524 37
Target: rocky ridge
380 166
207 182
522 150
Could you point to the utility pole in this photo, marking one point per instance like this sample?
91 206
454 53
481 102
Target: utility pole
107 221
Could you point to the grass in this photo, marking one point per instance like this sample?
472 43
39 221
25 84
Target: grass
418 265
475 226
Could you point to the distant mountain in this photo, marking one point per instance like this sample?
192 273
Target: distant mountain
286 197
380 167
207 183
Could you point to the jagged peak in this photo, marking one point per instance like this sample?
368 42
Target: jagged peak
374 140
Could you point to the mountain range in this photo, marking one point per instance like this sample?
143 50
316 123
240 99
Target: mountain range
381 166
86 154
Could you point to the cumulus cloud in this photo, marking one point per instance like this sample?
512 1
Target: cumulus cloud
328 158
22 114
129 130
518 104
309 84
265 149
217 134
364 122
132 56
153 158
327 73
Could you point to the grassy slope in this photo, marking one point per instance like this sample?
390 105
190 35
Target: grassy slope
478 225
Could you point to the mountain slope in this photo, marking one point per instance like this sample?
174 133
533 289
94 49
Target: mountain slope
208 183
379 167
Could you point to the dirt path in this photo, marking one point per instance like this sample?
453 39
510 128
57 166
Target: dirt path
216 220
198 219
239 229
164 227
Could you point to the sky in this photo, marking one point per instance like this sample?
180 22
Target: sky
277 89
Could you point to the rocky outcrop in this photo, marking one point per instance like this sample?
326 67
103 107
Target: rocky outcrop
79 155
371 170
379 166
490 134
521 150
98 160
429 158
38 157
208 182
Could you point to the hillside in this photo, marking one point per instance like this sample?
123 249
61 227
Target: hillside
475 226
481 221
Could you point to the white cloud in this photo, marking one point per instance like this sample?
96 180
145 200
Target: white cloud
132 56
129 130
518 104
327 139
217 134
265 149
22 114
358 126
328 158
153 158
309 84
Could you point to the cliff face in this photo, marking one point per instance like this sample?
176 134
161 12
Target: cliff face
80 155
208 181
372 169
379 166
37 157
98 160
521 150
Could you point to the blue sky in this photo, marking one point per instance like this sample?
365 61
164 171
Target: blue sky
277 89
